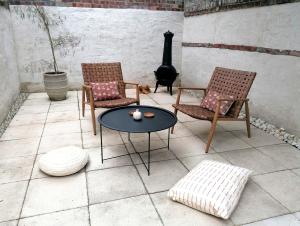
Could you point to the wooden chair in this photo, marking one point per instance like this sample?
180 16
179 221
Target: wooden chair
104 72
224 81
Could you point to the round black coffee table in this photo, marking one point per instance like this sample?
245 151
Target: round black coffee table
119 119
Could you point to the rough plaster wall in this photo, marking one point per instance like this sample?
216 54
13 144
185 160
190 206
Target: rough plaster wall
133 37
275 92
9 77
271 26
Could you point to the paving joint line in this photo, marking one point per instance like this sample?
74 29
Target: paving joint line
25 194
85 168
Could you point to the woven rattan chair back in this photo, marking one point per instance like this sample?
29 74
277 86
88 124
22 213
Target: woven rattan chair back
232 82
103 72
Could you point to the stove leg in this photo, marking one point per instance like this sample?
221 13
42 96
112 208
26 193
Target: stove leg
168 88
156 87
171 90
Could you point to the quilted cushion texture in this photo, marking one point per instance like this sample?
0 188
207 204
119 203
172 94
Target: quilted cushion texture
63 161
211 100
105 90
211 187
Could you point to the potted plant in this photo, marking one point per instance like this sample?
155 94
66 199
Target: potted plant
56 81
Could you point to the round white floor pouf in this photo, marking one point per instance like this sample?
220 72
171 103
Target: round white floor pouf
63 161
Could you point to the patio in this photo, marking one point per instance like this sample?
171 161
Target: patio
120 192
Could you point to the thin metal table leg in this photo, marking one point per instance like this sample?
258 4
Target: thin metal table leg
101 143
148 153
169 139
128 136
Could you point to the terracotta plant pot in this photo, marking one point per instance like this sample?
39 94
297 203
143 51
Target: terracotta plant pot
56 85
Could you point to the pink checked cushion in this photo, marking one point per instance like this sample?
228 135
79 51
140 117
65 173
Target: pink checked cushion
210 102
105 90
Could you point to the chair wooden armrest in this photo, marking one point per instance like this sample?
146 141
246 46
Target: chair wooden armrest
136 88
189 88
235 99
131 83
192 88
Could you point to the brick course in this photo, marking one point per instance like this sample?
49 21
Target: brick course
161 5
286 52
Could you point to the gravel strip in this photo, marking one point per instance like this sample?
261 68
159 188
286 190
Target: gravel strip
13 111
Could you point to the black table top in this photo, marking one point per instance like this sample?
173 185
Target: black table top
119 119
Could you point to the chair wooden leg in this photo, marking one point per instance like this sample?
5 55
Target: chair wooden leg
211 134
247 119
93 119
175 112
83 102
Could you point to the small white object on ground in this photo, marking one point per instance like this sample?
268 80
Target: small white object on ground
63 161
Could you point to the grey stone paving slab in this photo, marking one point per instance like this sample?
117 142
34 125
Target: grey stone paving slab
258 137
17 148
41 95
162 98
9 223
139 137
296 171
28 119
233 125
16 169
73 217
36 109
11 199
21 132
188 146
176 214
297 215
90 140
62 128
226 141
191 162
64 107
253 160
286 154
52 142
163 175
36 172
62 116
155 156
285 220
201 128
134 211
108 152
283 186
256 204
179 131
54 194
37 101
114 183
143 146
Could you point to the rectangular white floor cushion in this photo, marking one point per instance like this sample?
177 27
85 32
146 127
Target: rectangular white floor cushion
211 187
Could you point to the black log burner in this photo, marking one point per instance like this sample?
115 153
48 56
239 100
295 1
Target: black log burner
166 73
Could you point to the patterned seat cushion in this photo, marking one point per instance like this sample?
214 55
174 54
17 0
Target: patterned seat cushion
115 103
105 90
211 187
211 100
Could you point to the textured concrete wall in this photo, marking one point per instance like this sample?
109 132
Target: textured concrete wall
133 37
9 77
275 92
